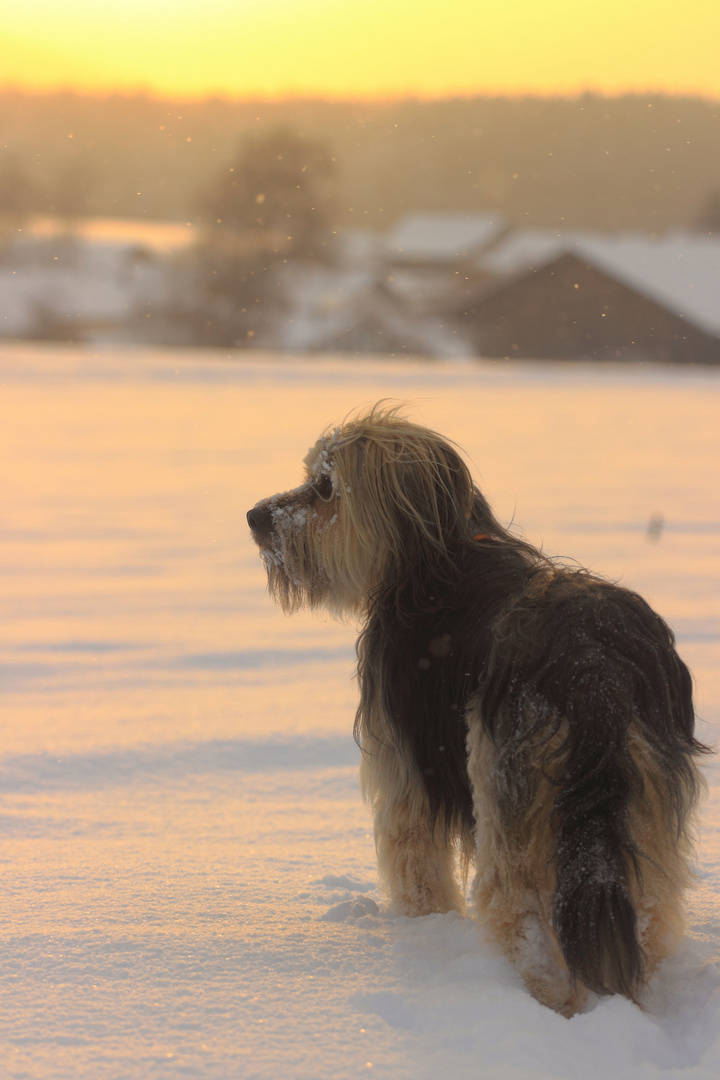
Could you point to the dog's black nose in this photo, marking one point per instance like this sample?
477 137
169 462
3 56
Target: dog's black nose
259 518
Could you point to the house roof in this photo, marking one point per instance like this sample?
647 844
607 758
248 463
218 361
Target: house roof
679 270
331 305
442 238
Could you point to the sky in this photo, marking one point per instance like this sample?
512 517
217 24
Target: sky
362 48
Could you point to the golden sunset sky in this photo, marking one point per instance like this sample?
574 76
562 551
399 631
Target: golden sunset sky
362 48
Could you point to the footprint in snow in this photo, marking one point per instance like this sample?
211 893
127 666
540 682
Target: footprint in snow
361 910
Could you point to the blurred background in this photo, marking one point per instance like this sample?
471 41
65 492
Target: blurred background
468 179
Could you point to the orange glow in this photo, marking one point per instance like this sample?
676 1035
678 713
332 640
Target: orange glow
362 48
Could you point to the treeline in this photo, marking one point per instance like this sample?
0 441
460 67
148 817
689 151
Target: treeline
634 162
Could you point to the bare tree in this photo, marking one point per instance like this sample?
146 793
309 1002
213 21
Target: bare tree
73 189
275 195
709 218
270 206
17 199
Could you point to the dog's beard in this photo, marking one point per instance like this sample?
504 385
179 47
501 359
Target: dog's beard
295 578
309 562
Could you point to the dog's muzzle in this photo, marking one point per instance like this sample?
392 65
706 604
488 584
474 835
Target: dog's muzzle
260 519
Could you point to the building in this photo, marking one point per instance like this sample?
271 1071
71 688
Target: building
588 296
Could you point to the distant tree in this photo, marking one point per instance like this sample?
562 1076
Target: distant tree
223 298
17 192
709 219
275 195
73 188
17 202
268 207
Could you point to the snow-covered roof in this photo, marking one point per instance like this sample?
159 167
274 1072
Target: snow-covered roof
332 307
679 270
359 247
442 237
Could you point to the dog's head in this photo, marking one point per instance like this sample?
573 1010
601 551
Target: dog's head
381 495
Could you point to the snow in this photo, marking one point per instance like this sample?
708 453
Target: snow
188 870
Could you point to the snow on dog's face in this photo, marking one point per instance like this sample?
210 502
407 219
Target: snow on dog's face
305 537
378 493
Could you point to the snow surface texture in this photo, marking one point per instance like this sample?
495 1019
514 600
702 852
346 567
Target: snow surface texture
188 871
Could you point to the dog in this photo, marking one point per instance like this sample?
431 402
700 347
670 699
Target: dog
515 713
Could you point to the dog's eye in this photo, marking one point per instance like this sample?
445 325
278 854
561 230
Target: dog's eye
324 487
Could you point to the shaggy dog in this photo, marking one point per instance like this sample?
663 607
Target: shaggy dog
525 716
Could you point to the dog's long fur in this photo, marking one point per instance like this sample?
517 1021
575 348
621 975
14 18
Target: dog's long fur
523 715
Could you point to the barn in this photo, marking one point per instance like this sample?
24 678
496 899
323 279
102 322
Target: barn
602 298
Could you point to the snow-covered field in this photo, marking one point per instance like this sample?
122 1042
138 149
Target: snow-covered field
182 830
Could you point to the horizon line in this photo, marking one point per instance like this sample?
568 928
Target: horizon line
293 97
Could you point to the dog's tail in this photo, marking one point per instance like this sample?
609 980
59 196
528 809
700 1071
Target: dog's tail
597 861
627 758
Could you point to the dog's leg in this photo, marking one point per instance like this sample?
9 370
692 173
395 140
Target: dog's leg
512 887
666 873
518 921
417 864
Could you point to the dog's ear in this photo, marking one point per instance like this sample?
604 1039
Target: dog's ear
441 490
406 494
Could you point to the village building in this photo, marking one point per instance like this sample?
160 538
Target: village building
331 310
427 257
387 293
92 282
436 285
589 296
